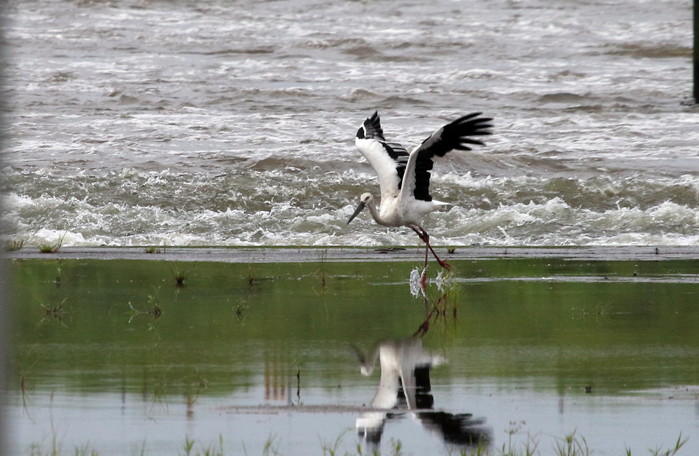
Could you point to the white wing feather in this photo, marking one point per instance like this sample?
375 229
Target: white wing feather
385 167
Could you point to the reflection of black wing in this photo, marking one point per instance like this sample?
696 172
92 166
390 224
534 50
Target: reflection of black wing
372 435
457 429
423 386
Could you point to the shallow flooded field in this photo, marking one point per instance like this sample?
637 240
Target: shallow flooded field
155 357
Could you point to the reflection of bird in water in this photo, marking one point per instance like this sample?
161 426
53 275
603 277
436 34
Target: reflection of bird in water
404 178
405 374
404 365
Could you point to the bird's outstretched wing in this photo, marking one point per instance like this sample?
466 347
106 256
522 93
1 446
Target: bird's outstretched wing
455 135
388 159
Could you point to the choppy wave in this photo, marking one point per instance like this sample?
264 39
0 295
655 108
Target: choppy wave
288 207
226 125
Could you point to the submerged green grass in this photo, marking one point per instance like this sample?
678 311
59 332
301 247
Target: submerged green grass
204 313
162 331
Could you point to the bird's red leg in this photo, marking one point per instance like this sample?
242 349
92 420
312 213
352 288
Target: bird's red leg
426 256
426 239
441 262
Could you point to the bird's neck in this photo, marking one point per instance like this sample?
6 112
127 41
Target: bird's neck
375 213
368 365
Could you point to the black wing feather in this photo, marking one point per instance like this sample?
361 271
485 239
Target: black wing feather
400 155
371 128
454 135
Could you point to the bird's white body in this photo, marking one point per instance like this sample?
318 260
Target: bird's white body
397 211
399 207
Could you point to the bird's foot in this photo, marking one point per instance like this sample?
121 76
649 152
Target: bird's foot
444 264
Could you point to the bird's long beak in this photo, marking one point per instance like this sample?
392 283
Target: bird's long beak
359 209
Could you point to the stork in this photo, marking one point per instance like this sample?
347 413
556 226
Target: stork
404 178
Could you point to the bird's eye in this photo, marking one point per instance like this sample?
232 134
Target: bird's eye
360 133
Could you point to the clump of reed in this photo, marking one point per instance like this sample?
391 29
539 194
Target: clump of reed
13 245
180 276
52 248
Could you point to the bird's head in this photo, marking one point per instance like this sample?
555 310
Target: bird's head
366 366
365 199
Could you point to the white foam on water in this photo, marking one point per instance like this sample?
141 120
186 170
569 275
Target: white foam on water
132 207
186 136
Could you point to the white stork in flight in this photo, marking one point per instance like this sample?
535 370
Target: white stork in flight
404 178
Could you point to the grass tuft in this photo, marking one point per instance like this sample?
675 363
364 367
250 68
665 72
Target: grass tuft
14 245
251 276
180 276
210 450
671 451
570 445
52 248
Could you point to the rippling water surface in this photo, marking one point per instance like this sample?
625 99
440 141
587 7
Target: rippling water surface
115 358
231 123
